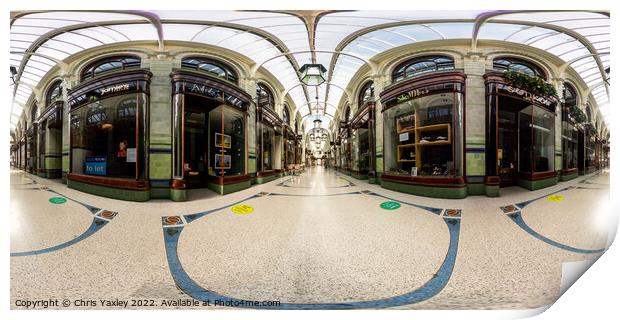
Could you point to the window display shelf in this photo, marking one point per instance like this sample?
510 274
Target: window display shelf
435 127
400 152
434 143
412 129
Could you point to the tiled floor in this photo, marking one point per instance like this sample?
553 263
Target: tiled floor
320 240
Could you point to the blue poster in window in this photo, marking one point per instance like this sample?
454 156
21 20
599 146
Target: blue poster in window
95 166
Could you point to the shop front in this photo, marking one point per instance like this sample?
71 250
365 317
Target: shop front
298 148
423 121
520 136
591 154
345 149
109 136
209 134
49 130
30 149
288 155
362 143
570 134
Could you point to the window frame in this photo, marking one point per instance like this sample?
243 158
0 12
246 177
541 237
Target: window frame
400 72
88 73
230 74
536 69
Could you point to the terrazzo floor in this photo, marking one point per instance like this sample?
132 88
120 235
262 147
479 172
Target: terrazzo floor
316 241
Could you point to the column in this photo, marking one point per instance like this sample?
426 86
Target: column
158 144
477 146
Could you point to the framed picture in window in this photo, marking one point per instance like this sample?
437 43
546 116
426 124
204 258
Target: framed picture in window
222 162
222 140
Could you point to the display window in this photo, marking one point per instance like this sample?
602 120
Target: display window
109 130
590 152
269 130
419 136
569 129
361 136
536 140
226 142
104 136
520 131
267 138
209 120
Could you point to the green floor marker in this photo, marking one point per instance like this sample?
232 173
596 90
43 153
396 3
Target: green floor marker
58 200
390 205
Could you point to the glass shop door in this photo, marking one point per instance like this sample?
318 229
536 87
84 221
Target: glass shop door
195 148
507 148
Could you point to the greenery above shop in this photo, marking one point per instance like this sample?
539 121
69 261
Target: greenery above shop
577 114
590 129
534 84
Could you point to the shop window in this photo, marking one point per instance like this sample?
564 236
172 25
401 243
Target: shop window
366 94
267 147
419 136
110 64
265 96
536 140
33 113
520 65
211 67
285 116
422 65
226 142
103 137
360 136
54 93
569 130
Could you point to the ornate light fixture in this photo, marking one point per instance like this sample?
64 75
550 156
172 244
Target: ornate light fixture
312 74
317 123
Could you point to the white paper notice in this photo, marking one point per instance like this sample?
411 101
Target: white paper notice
403 136
131 154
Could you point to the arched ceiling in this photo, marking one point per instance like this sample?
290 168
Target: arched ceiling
282 41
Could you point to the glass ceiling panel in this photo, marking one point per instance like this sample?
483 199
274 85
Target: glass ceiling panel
332 28
550 16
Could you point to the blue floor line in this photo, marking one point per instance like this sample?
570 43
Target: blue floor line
518 219
195 216
95 226
431 288
525 203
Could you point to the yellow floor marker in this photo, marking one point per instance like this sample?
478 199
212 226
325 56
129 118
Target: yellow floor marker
555 198
242 209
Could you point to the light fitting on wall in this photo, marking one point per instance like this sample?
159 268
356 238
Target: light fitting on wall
13 73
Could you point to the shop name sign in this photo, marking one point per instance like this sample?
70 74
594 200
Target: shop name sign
115 88
203 89
525 94
420 92
412 94
215 93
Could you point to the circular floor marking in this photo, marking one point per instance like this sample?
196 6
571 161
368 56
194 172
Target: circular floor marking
390 205
172 220
57 200
555 198
242 209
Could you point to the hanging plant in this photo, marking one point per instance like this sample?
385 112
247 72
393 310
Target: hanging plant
577 114
590 129
533 84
